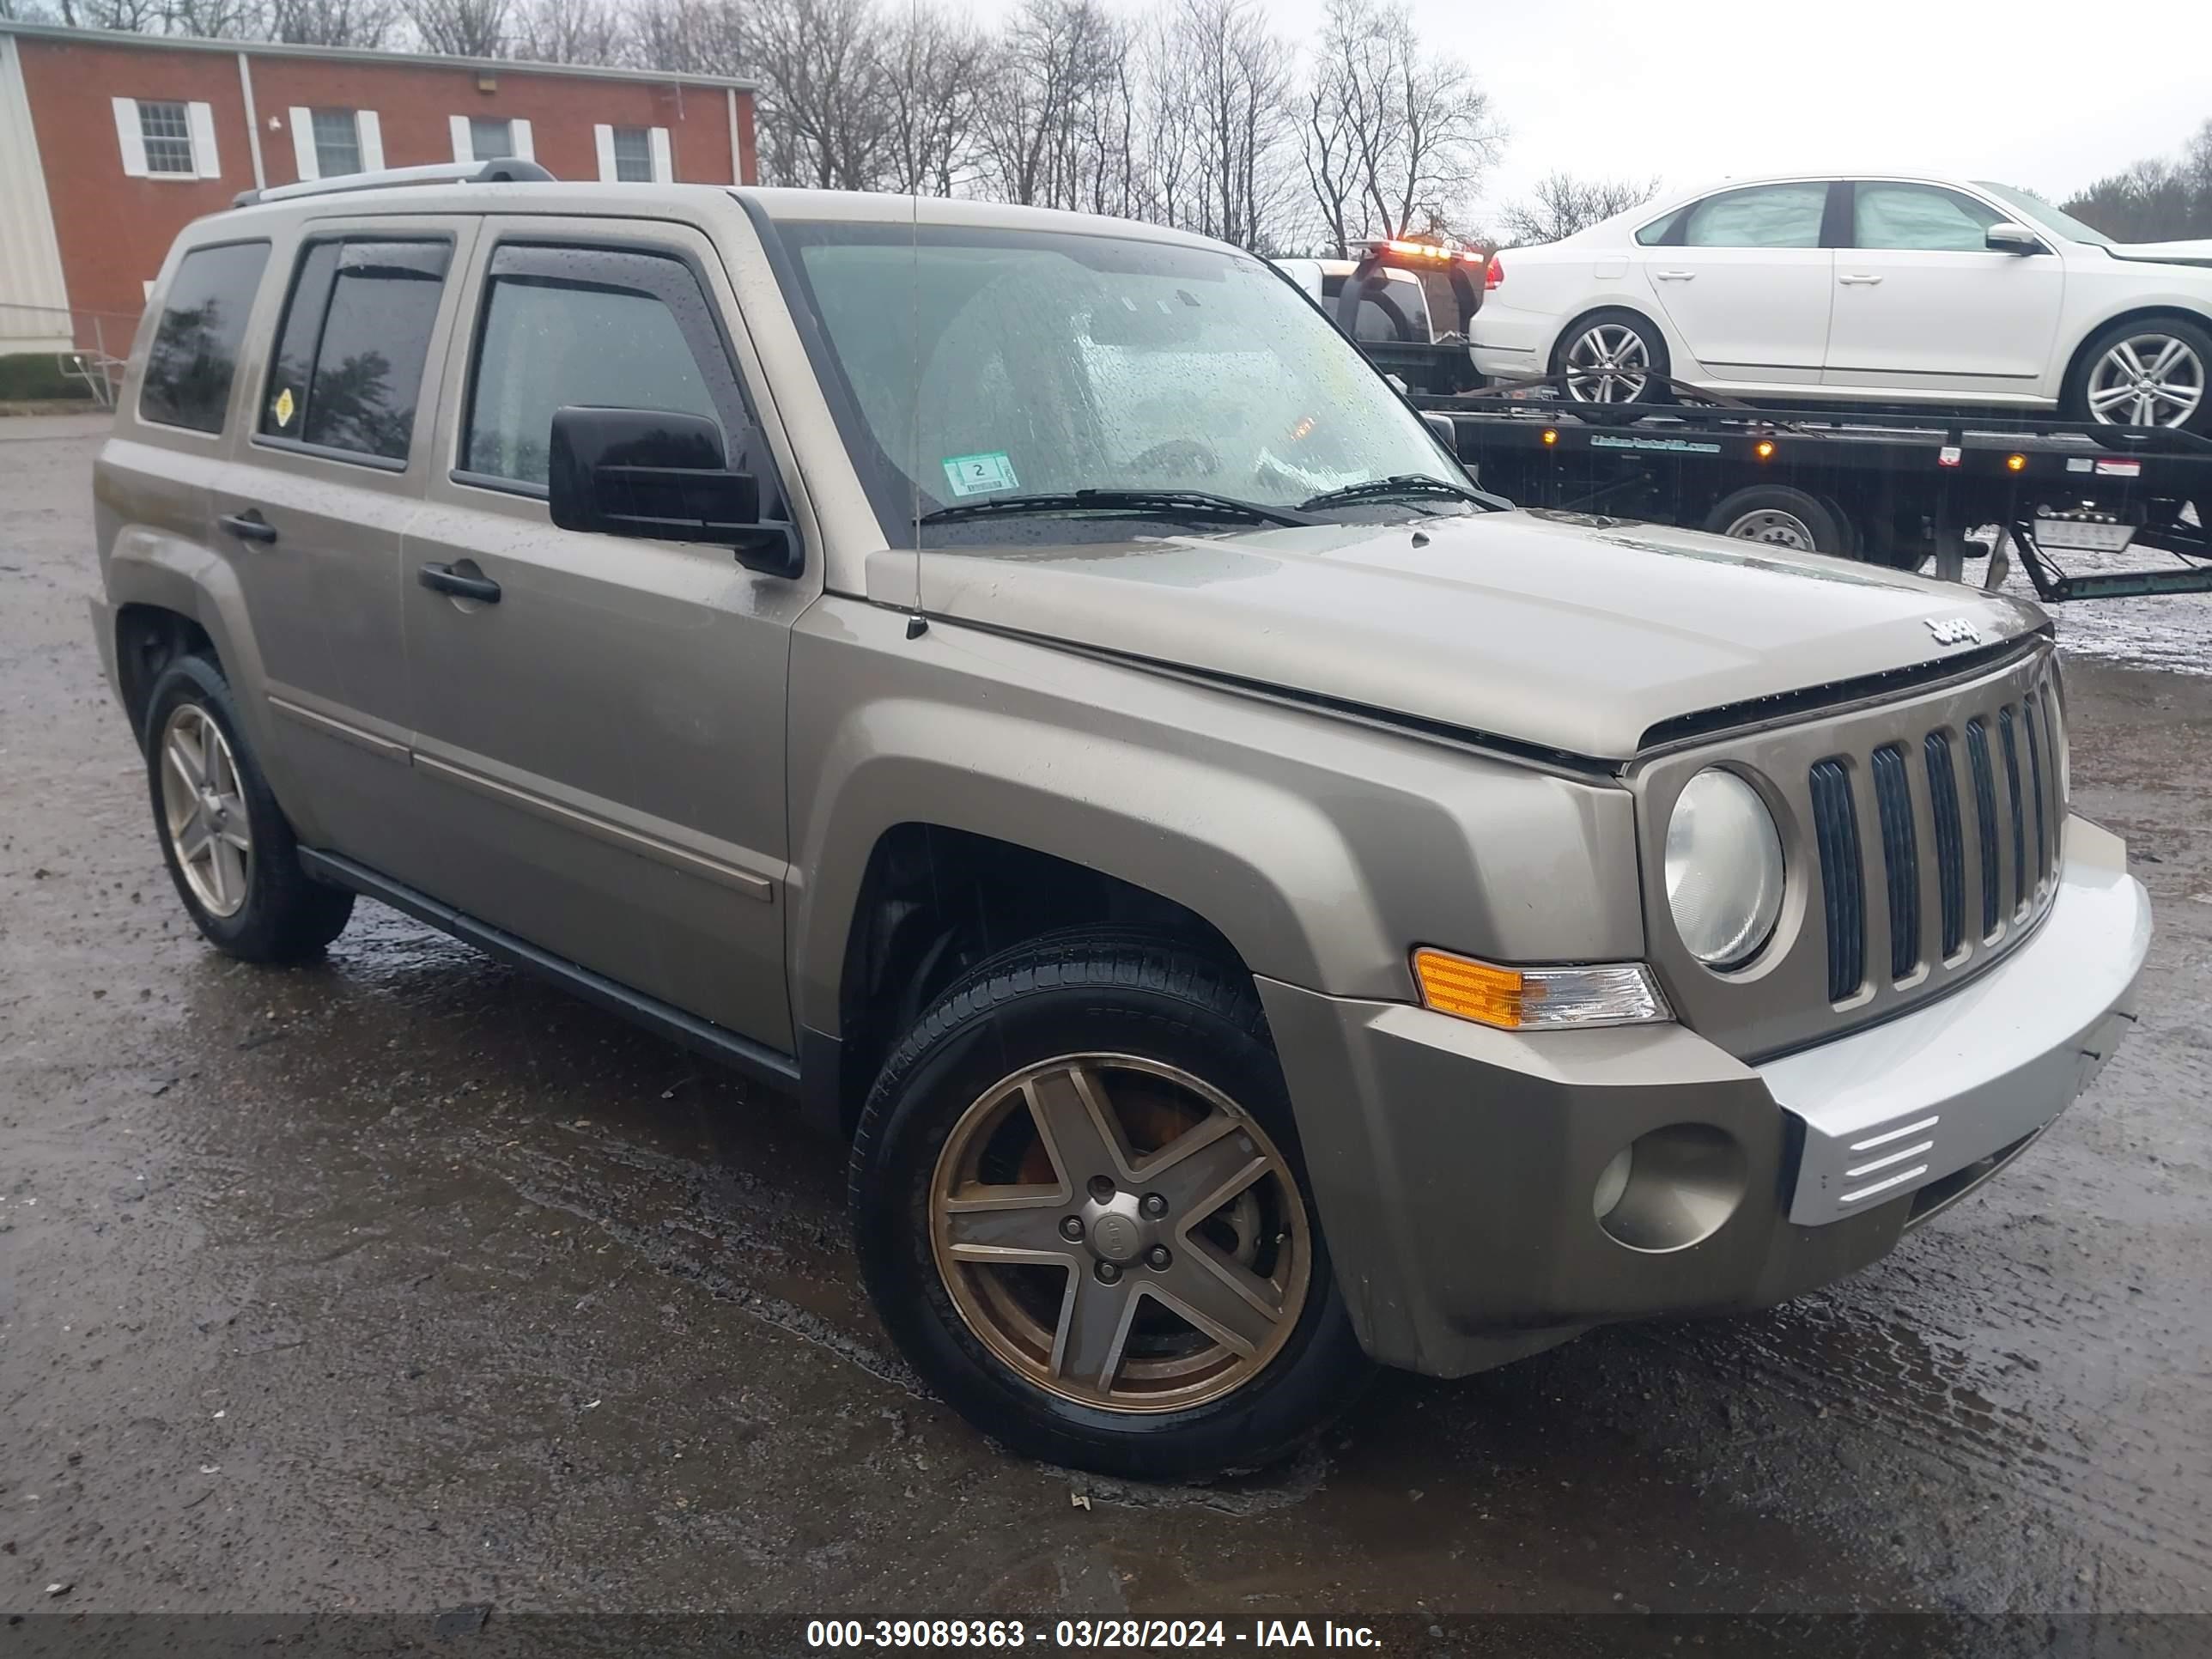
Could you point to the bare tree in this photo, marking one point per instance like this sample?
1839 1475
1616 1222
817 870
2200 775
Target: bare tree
331 22
1049 133
1396 133
684 37
128 16
461 28
936 71
569 31
1562 203
1226 83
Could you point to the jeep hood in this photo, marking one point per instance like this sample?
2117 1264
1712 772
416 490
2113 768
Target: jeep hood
1563 632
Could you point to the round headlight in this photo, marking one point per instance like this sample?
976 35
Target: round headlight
1723 869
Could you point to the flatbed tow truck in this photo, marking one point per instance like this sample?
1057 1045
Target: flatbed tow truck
1908 488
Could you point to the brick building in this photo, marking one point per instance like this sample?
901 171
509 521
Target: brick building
109 143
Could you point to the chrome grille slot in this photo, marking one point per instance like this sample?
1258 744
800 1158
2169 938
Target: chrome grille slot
2010 743
1985 820
1900 858
1843 878
2031 712
1950 846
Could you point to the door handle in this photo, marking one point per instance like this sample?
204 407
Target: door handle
248 526
444 579
1859 280
1676 276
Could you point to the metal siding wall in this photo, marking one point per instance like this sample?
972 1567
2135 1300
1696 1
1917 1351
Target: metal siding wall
30 255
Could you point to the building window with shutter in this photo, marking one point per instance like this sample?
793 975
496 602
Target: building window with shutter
633 149
168 135
338 141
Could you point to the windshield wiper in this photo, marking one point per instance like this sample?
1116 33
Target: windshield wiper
1402 486
1169 504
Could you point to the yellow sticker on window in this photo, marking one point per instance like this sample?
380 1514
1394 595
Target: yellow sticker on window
284 407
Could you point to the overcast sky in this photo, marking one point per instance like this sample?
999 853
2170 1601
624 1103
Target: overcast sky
2034 92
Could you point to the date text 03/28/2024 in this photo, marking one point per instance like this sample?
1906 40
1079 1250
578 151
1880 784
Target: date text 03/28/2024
831 1634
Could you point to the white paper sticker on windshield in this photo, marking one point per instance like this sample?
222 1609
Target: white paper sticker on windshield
979 475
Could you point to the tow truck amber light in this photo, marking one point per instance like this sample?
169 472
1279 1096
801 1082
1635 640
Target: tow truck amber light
1550 434
1433 252
1764 449
1538 998
2016 463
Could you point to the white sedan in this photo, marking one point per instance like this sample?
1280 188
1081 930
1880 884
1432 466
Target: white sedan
1872 289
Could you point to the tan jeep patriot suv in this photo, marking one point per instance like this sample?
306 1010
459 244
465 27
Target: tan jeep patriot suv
1256 905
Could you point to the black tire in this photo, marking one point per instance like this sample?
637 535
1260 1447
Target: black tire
2074 399
1652 392
1086 992
287 916
1793 517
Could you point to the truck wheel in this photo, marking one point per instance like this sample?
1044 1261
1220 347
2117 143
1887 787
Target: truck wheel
1611 358
1778 516
1081 1209
2156 371
226 840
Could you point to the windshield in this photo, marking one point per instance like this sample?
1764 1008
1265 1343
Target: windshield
966 363
2063 224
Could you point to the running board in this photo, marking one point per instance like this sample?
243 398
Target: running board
703 1037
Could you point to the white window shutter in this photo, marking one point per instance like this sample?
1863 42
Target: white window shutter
603 140
303 142
463 149
371 133
200 118
130 137
664 171
520 133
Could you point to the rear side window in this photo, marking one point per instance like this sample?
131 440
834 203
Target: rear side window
593 328
195 350
351 348
1763 215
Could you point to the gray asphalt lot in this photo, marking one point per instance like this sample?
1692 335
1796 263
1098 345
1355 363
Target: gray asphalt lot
402 1281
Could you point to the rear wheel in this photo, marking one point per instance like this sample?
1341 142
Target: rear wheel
1611 358
1775 515
1081 1210
229 849
2153 373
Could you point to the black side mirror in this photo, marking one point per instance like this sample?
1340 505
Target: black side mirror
658 473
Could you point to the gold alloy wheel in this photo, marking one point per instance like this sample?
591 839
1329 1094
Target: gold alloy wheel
1120 1233
204 806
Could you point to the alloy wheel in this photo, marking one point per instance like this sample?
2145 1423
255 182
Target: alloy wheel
2147 379
1609 364
203 808
1120 1233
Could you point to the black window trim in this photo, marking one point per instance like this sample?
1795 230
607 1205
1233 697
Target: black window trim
230 402
731 377
308 245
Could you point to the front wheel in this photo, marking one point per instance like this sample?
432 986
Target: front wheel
1081 1209
2154 373
1777 516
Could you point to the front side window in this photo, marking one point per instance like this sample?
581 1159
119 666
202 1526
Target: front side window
592 328
1919 216
166 130
350 350
194 356
633 155
1024 362
1766 215
491 139
338 141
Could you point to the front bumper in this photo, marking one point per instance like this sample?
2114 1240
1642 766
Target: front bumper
1454 1166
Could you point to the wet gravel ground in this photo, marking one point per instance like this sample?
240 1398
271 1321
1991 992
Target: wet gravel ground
401 1282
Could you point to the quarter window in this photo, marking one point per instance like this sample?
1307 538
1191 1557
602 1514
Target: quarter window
633 155
350 350
1920 216
195 351
166 130
338 141
1766 215
567 326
